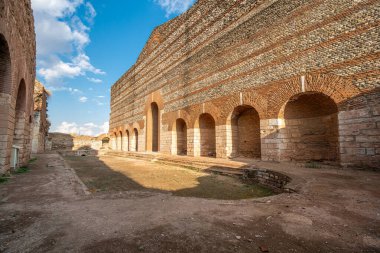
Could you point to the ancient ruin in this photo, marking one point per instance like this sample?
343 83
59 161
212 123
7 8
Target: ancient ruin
73 144
17 76
274 80
244 126
41 123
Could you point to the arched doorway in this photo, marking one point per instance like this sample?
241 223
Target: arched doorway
20 116
127 140
135 140
207 135
5 67
153 128
245 132
311 128
181 137
5 95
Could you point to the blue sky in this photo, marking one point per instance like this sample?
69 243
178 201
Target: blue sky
84 46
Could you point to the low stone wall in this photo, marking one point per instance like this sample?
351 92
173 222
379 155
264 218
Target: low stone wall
272 179
89 152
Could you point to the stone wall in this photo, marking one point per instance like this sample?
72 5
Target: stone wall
268 55
72 142
17 75
41 123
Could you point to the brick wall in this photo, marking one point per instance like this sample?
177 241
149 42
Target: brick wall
17 75
223 54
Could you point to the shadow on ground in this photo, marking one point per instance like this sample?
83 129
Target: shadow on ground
106 174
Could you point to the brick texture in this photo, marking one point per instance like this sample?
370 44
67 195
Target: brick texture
17 76
308 69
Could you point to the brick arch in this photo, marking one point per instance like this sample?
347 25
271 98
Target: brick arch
128 127
228 104
339 89
138 125
5 66
197 110
170 118
154 97
21 96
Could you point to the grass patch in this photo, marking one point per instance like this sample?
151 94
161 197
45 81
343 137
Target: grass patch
33 160
312 165
4 179
21 170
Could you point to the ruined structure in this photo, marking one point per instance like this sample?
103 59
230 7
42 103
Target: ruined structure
17 75
281 80
73 144
41 123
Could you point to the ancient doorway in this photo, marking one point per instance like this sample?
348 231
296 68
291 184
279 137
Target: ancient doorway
181 134
120 141
154 121
5 93
135 139
311 128
245 132
127 140
20 117
207 135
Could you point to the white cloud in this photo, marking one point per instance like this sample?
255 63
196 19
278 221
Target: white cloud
94 80
101 96
105 127
73 91
90 12
174 6
62 38
80 65
56 8
90 128
83 99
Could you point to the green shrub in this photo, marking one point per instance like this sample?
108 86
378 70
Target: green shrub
21 170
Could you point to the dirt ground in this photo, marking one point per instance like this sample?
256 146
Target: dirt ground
110 174
48 209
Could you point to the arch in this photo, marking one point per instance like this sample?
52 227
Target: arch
5 67
120 141
179 130
153 125
169 118
135 140
339 90
20 117
245 132
252 98
311 128
127 140
207 135
5 99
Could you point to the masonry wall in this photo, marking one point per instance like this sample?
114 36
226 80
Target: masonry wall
17 75
66 142
223 54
